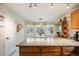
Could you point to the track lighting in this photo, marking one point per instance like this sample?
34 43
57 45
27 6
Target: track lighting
51 5
68 6
30 5
35 6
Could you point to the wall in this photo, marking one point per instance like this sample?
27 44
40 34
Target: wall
2 41
68 15
11 19
20 35
2 34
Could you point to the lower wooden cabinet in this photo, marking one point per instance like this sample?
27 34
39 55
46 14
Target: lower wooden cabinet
29 54
50 54
29 49
43 51
50 49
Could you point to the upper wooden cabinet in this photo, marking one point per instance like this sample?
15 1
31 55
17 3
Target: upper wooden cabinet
75 19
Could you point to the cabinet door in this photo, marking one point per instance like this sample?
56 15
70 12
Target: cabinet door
29 54
50 54
10 37
75 19
29 49
50 49
2 41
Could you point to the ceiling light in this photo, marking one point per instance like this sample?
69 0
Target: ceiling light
51 5
30 5
68 6
40 18
40 24
35 6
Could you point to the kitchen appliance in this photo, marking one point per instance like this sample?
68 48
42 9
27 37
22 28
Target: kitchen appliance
77 36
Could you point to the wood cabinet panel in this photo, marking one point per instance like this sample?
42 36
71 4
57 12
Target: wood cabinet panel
66 49
29 49
44 51
50 54
50 49
29 54
75 19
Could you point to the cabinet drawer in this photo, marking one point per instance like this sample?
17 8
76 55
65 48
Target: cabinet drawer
29 49
50 49
50 54
68 49
29 54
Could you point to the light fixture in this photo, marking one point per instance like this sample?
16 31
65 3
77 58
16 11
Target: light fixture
51 5
68 6
40 18
30 5
35 5
40 24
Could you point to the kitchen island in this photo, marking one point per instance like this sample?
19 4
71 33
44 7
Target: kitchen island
49 47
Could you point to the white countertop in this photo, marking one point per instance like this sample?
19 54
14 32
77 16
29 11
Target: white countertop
50 42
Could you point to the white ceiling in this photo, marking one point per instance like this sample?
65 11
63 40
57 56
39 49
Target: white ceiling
43 11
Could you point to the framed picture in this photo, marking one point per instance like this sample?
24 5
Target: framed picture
19 27
1 18
1 21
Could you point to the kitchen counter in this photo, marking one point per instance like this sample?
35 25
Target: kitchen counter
48 47
52 42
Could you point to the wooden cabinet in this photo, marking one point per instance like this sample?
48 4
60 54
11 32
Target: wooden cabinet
75 19
43 51
50 54
29 54
29 49
50 49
